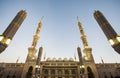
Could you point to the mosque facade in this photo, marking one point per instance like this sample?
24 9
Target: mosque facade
85 67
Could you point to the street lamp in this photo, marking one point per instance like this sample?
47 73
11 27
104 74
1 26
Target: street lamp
82 71
4 42
37 71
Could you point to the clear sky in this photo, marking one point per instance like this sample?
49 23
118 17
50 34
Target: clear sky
60 34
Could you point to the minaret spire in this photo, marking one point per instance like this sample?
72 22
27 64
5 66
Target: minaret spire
17 59
36 36
44 57
31 58
83 36
32 50
74 56
102 60
88 58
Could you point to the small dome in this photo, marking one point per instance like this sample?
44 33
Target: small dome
48 59
54 59
65 59
71 59
59 59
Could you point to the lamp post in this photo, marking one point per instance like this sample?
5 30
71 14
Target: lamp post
82 71
37 71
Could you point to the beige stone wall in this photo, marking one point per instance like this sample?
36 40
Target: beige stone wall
108 70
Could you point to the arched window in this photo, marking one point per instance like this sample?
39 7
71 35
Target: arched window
30 69
117 71
45 71
29 73
105 76
111 76
66 76
52 76
73 72
45 77
66 72
1 75
14 76
59 72
52 71
8 76
90 73
73 77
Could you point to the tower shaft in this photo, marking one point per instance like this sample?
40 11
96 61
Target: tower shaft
105 25
109 32
10 31
32 50
80 55
83 36
36 36
39 56
15 24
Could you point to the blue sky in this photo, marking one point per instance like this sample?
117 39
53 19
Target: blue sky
60 33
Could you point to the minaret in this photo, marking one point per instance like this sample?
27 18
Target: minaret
10 31
39 56
102 60
31 58
110 33
83 36
80 55
88 55
32 49
38 68
44 58
88 62
17 59
74 56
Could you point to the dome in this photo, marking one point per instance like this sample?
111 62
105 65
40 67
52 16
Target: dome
48 59
65 59
59 59
54 59
71 59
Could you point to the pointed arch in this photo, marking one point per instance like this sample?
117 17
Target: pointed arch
73 71
8 76
90 72
29 73
52 71
66 71
45 71
59 72
14 75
